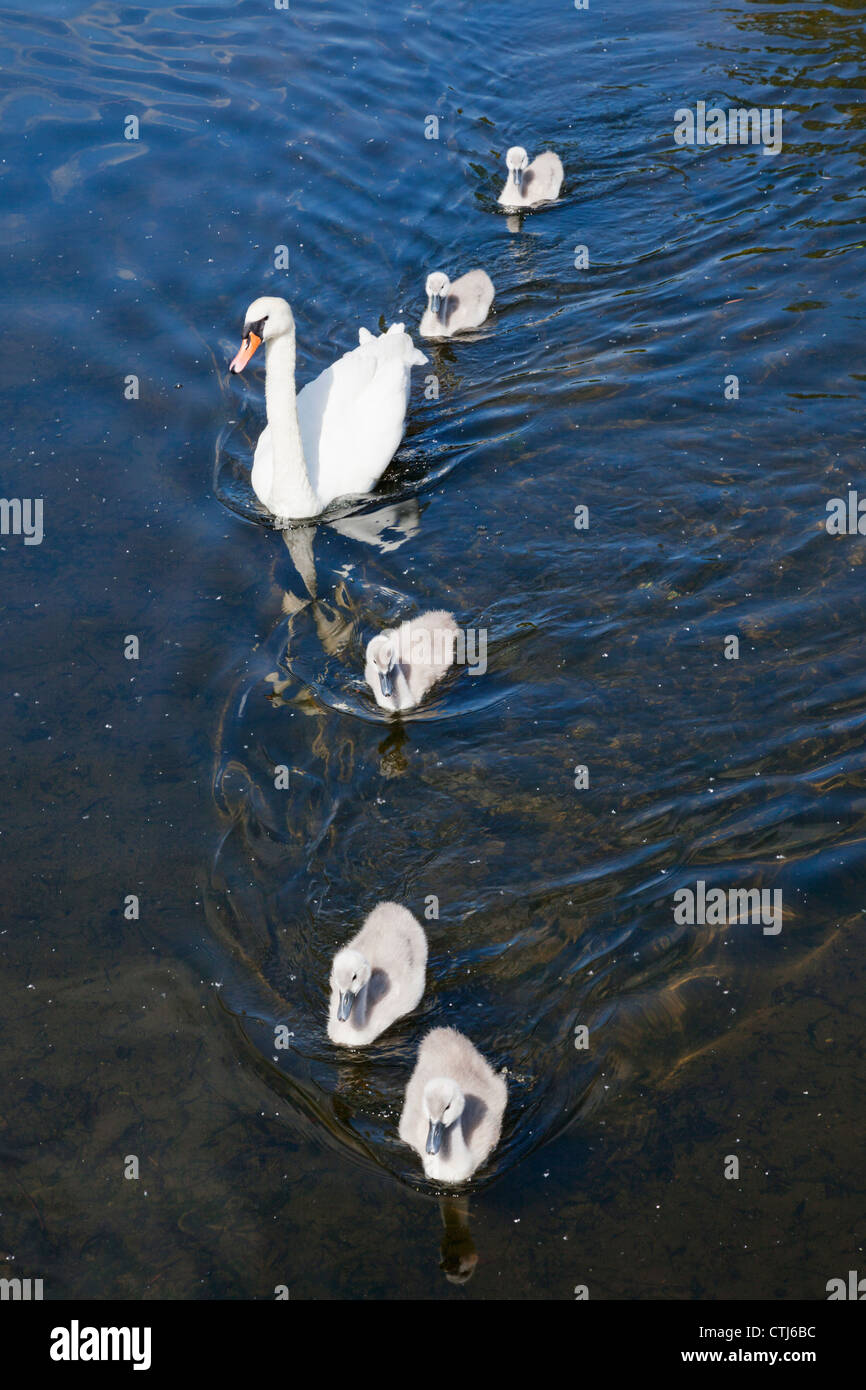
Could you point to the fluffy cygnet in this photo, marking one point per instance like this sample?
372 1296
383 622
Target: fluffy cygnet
452 1114
377 977
453 306
403 663
528 184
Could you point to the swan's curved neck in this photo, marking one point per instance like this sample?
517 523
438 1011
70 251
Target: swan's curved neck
292 494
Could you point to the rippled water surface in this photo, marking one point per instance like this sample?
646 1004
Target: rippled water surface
601 387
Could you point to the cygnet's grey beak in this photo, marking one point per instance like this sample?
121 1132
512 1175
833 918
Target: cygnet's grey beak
518 177
385 682
435 301
347 999
434 1137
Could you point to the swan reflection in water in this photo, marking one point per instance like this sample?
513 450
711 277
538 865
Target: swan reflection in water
330 613
386 529
458 1254
392 751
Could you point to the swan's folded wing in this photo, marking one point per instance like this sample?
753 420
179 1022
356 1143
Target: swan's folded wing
324 402
361 412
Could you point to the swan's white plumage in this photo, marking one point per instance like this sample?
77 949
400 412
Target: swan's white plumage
464 303
393 945
450 1065
338 435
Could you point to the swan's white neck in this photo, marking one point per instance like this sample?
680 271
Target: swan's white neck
291 493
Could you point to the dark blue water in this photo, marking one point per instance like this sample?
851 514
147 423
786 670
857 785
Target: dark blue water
602 387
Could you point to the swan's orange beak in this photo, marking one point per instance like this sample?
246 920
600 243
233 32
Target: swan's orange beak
245 352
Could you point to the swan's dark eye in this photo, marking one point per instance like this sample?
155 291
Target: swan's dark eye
255 328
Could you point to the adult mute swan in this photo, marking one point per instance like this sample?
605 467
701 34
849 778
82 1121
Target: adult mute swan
378 977
452 1115
453 306
404 662
528 184
336 437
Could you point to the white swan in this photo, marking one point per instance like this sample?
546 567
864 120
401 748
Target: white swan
452 1114
378 977
528 184
336 437
454 306
404 662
